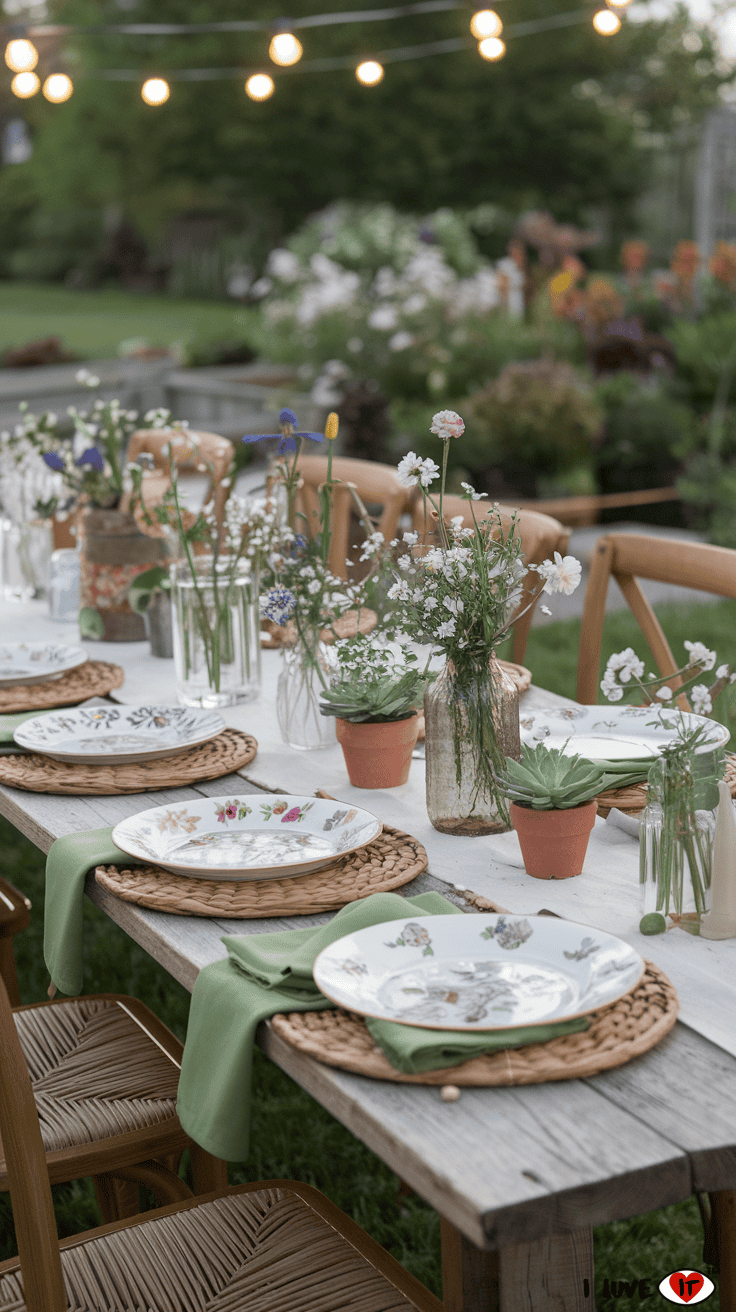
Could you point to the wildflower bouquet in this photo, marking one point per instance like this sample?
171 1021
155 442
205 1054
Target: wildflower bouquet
462 596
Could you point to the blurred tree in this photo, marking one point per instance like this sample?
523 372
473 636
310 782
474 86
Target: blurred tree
564 121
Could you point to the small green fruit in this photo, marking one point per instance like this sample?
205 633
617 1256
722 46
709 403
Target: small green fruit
654 923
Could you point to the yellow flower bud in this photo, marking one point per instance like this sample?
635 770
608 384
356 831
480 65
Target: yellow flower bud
331 427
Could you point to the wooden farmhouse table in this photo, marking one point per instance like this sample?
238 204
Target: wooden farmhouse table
519 1175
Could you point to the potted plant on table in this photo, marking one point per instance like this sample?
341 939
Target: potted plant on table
374 697
553 808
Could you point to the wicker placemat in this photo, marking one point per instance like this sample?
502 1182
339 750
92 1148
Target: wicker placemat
392 859
633 799
229 751
616 1034
93 679
352 622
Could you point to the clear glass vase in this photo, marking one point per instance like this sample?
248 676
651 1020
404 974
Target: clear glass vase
302 679
472 724
216 632
676 842
25 559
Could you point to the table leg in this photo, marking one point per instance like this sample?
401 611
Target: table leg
723 1209
552 1273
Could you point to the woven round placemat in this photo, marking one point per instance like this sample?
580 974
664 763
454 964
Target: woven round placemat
633 799
93 679
352 622
229 751
616 1034
392 859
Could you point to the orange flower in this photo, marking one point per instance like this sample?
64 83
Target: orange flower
685 260
634 256
722 264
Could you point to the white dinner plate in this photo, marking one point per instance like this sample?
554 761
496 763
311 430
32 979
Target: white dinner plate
260 836
614 733
481 972
118 735
36 662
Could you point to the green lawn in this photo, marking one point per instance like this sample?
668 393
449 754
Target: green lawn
92 324
291 1134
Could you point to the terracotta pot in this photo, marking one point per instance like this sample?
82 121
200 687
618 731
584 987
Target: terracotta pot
378 755
113 551
553 843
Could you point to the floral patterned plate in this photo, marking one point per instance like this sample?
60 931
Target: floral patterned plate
611 733
36 662
477 972
118 735
261 836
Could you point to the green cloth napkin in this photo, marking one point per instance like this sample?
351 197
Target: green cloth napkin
269 973
67 863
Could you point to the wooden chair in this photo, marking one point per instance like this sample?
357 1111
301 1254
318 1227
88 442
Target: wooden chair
540 537
104 1072
376 485
208 449
267 1246
628 556
15 915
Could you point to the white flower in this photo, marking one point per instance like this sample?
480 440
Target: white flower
700 698
446 630
545 610
430 603
314 587
456 523
447 424
665 693
562 575
625 664
722 672
404 562
384 318
471 492
699 655
399 591
454 605
412 470
611 689
410 539
401 341
284 264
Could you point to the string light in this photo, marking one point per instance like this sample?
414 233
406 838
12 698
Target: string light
21 55
619 4
285 49
57 88
260 86
487 23
369 73
606 22
24 85
155 91
492 48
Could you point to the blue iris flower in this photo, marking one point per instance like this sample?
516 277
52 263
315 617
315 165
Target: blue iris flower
92 457
54 461
288 435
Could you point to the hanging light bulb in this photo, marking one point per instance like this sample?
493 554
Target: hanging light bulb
24 85
285 49
606 22
155 91
21 55
57 88
369 73
260 86
619 4
492 48
485 23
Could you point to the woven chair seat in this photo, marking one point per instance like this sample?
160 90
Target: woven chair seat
264 1251
95 1072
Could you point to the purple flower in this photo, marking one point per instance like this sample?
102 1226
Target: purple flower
288 421
54 461
92 457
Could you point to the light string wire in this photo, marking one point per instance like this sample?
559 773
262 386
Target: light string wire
337 62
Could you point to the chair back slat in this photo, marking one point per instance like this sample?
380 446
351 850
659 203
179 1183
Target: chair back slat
631 556
375 484
30 1191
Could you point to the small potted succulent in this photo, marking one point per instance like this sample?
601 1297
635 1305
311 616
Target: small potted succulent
552 809
374 695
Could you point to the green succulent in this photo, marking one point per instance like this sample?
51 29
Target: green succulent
375 701
546 779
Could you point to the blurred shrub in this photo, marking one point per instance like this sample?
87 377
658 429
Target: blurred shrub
58 244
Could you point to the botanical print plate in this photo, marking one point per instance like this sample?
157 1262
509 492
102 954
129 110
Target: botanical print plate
261 836
36 662
612 733
118 735
477 972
